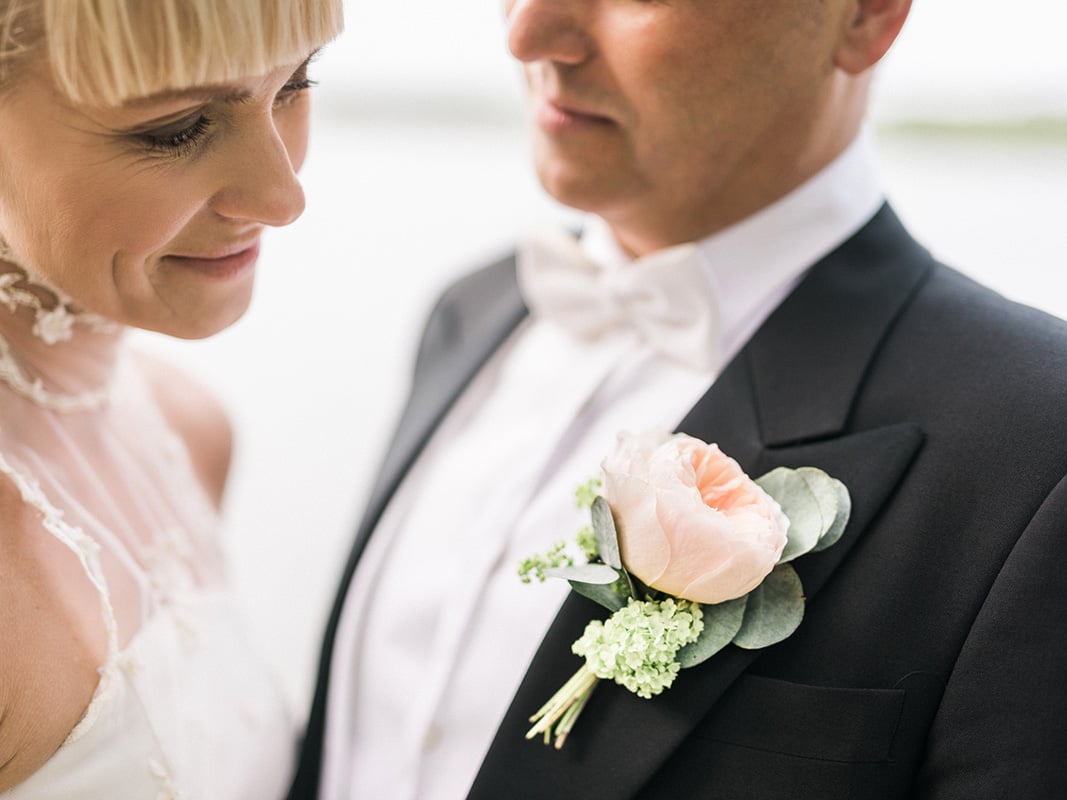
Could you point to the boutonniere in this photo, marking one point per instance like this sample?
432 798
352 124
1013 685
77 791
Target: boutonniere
690 555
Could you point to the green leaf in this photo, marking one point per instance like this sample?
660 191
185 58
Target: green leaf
601 594
825 491
638 590
842 512
586 573
722 621
799 503
607 538
775 609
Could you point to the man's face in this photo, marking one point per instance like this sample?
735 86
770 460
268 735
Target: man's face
672 120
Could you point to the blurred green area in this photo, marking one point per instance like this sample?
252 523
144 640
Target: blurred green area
1050 130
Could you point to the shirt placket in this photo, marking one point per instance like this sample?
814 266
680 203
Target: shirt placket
509 488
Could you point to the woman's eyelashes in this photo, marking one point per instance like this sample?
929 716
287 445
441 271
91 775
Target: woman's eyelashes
292 90
298 83
183 138
178 141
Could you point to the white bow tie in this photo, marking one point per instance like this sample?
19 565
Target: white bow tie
665 297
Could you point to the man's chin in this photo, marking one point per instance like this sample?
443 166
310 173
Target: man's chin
580 185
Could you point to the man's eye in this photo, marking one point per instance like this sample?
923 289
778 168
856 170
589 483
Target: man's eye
180 141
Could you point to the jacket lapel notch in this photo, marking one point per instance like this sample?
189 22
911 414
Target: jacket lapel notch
808 361
871 464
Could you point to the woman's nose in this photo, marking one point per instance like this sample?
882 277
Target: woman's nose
261 183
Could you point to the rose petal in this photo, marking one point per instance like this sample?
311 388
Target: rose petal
641 539
691 523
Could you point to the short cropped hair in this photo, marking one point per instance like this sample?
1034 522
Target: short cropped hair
107 51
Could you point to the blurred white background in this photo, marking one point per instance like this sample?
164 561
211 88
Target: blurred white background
419 171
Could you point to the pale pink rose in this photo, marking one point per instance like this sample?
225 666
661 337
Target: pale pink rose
691 523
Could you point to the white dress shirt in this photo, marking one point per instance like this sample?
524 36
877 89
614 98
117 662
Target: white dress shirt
437 630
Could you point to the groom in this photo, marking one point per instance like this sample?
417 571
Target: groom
740 279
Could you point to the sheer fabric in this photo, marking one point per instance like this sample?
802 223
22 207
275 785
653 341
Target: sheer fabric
118 517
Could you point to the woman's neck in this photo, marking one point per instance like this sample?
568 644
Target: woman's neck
51 353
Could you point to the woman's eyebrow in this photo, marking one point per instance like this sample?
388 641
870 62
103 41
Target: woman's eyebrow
219 92
215 92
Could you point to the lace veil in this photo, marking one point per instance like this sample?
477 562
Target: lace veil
115 505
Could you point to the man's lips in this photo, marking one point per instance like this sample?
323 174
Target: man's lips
558 116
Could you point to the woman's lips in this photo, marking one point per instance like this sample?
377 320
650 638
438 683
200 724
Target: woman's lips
558 118
222 267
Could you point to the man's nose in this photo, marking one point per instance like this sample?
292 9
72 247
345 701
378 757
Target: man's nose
549 30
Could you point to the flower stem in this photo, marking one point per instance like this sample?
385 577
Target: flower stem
557 717
566 723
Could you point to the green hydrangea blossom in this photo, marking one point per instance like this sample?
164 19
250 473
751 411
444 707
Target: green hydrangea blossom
585 494
533 568
636 647
587 543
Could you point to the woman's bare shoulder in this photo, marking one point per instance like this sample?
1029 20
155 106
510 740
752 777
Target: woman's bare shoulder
197 416
48 667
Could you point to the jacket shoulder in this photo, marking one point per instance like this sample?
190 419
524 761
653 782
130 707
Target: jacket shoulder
480 304
980 373
983 332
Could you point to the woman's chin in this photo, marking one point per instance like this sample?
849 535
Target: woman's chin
200 323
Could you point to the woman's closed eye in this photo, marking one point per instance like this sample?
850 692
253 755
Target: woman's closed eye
180 139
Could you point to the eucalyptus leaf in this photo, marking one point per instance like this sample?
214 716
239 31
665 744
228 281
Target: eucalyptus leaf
799 503
827 494
601 594
722 621
843 512
586 573
607 538
822 486
774 610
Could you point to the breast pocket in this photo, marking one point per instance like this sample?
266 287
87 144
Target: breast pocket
817 722
769 739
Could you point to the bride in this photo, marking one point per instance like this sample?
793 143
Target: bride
144 146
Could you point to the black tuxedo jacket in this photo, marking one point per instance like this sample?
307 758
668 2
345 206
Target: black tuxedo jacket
932 660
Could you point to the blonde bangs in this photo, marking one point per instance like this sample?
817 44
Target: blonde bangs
107 51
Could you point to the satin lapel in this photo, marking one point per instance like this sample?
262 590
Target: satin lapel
467 326
811 355
469 323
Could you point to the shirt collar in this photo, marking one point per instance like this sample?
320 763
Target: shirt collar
755 263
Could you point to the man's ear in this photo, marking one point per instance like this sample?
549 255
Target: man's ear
872 27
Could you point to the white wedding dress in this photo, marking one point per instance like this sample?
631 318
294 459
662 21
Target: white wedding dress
183 708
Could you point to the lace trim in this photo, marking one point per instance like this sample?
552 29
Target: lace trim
34 391
167 789
88 552
50 325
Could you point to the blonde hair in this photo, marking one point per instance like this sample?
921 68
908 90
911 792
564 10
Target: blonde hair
108 51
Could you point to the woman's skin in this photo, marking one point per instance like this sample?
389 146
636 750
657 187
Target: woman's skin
149 214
